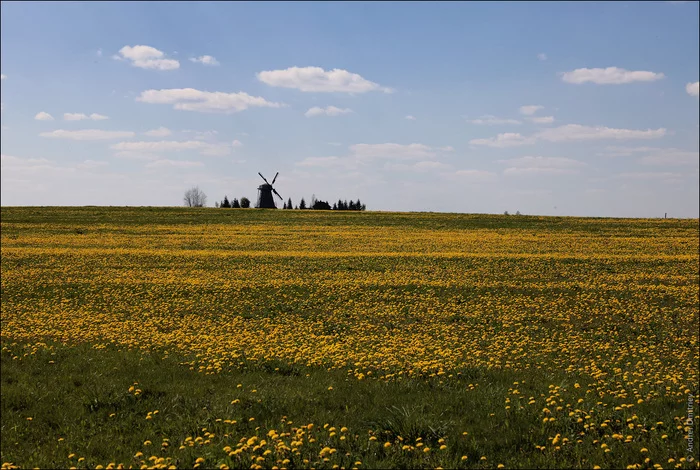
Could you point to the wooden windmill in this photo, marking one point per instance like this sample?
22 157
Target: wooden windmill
265 199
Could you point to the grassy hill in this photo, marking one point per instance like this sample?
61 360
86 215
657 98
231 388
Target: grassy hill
239 337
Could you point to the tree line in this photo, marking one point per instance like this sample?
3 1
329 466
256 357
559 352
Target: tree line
316 204
244 203
195 197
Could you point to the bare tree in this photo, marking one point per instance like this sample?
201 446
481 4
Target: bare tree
195 197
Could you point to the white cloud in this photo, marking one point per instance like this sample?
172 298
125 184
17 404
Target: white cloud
99 52
361 154
323 162
74 116
410 118
693 89
160 132
205 60
328 111
147 57
202 135
529 110
81 116
315 79
430 165
190 99
543 162
543 120
89 164
614 151
160 146
533 166
609 76
145 148
650 175
19 163
474 176
236 143
490 120
671 157
534 171
569 132
391 150
448 148
43 116
508 139
87 134
542 56
164 163
577 132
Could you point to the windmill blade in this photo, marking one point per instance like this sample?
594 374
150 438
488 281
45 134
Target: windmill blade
278 194
273 179
262 177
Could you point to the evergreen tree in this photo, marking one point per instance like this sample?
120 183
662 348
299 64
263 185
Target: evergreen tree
296 207
335 206
345 205
352 205
302 204
225 204
235 204
284 206
289 203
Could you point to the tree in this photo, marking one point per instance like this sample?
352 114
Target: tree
289 203
245 203
284 206
225 204
302 204
195 197
235 204
352 205
335 206
506 213
321 205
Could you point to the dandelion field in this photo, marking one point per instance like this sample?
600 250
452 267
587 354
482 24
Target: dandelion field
172 337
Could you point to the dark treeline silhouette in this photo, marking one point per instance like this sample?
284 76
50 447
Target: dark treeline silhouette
316 204
235 204
349 206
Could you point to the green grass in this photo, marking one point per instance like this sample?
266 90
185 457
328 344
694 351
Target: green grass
71 393
546 301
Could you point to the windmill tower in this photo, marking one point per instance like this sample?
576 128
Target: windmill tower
265 199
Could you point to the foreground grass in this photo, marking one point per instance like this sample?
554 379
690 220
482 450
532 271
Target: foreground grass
72 406
550 342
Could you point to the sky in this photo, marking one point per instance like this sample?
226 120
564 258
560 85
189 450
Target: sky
546 108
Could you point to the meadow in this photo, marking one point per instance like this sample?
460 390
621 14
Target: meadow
241 338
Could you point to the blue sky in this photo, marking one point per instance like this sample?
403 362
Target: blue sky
547 108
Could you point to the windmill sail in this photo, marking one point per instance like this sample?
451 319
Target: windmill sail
265 199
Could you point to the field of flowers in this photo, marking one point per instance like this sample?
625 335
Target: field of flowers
257 339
